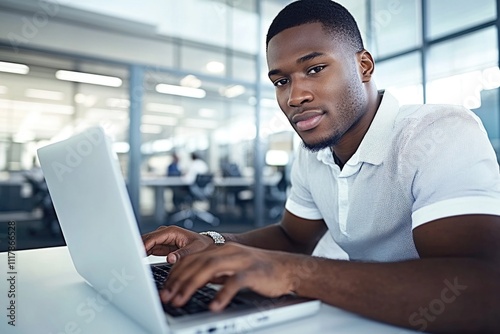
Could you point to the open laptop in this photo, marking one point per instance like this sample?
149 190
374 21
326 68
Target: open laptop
96 217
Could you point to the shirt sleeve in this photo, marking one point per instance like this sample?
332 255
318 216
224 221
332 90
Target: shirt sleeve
300 202
454 166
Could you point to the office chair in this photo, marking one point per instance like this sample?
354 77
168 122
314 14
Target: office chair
201 190
42 200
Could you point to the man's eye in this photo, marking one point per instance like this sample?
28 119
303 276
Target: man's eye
280 82
316 69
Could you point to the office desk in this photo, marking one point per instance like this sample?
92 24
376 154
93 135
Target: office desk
221 183
159 185
49 294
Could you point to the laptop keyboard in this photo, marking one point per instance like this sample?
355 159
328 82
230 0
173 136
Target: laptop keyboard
199 301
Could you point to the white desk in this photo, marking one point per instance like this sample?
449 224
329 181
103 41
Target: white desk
160 183
49 293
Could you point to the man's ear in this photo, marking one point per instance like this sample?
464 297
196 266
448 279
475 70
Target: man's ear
366 65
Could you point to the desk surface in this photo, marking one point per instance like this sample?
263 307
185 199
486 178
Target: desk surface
49 293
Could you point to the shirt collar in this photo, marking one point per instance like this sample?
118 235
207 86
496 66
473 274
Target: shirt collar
376 141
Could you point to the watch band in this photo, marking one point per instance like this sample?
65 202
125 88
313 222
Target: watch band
216 237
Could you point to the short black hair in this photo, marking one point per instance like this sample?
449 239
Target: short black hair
335 19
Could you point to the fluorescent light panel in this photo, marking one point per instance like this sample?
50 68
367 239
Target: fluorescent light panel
191 81
121 147
13 68
94 79
35 106
200 123
44 94
215 67
151 128
113 102
160 120
181 91
166 108
232 91
277 158
206 112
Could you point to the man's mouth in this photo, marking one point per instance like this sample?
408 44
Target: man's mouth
305 122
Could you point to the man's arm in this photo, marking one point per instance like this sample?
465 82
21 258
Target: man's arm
293 234
453 288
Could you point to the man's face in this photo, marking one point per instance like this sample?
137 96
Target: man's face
318 84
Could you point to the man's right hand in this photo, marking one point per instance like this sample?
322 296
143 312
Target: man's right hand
174 242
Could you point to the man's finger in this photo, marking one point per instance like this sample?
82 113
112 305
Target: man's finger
224 296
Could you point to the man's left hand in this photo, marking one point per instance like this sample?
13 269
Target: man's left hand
236 267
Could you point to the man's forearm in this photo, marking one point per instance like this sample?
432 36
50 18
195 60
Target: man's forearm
435 295
271 237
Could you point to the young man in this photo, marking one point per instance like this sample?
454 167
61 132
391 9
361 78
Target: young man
412 194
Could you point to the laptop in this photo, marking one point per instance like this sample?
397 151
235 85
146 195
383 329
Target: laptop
98 223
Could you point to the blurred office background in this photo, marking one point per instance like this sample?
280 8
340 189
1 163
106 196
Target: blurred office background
172 76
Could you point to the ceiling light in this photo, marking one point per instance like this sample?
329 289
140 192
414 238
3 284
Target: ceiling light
113 102
86 100
94 79
3 90
13 68
163 107
181 91
121 147
160 120
215 67
24 137
277 158
44 94
151 128
208 113
200 123
491 78
232 91
35 106
98 113
162 145
190 81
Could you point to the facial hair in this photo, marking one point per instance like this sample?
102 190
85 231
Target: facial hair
352 108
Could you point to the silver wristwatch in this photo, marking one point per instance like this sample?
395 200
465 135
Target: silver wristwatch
217 237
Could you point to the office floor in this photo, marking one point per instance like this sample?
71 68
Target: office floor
30 234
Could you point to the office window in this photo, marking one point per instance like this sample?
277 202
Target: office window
458 70
489 114
244 69
449 16
46 103
395 26
243 23
359 12
402 77
203 61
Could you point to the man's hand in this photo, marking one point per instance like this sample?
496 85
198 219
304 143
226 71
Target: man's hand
175 242
234 265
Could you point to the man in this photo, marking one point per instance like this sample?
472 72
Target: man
412 194
196 166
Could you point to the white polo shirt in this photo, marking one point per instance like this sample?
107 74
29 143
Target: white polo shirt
416 164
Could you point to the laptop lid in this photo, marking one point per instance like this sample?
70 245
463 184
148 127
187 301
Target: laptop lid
96 217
